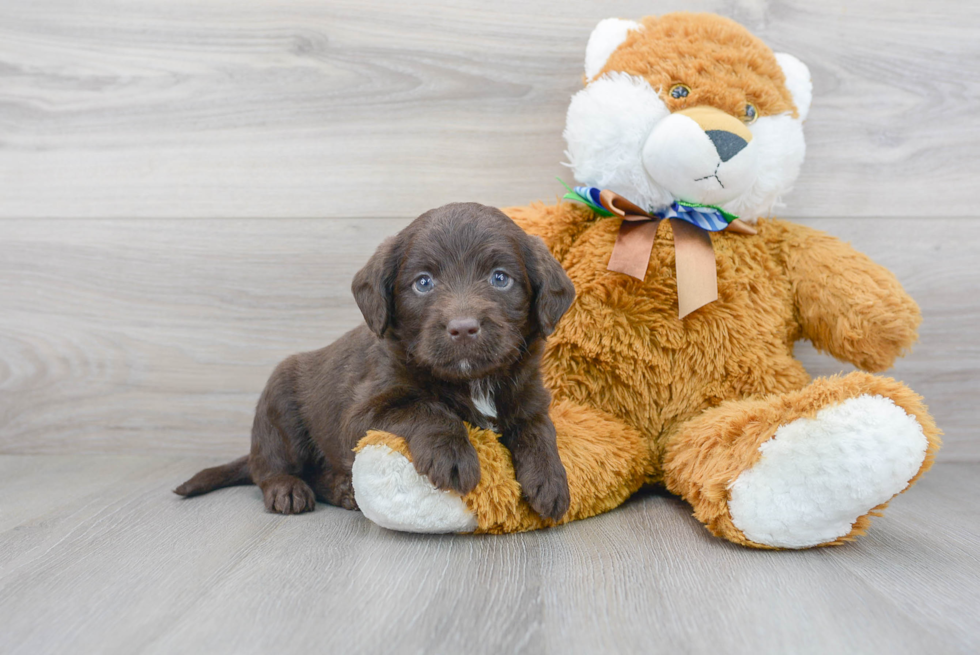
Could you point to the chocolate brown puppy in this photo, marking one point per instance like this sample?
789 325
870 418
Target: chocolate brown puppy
457 307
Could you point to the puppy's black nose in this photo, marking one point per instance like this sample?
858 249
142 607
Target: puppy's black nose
460 328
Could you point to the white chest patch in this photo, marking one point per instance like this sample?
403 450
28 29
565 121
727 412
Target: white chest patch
482 399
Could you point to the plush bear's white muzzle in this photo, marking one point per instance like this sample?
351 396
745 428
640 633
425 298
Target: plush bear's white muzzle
701 155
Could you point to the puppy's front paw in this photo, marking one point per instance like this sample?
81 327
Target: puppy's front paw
285 494
451 464
546 491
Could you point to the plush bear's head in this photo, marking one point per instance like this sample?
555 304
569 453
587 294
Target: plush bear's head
688 107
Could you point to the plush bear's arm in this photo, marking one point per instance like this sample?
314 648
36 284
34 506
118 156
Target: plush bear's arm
558 225
845 303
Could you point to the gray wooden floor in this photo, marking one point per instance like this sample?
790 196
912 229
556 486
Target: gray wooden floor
99 557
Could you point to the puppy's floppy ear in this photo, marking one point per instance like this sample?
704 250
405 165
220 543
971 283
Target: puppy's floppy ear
374 285
553 290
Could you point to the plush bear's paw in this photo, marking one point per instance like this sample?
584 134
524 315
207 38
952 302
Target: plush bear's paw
817 476
390 492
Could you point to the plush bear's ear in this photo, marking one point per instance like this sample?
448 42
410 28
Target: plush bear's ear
797 81
606 37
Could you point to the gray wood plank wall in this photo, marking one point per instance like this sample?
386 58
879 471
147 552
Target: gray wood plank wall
157 335
269 108
159 163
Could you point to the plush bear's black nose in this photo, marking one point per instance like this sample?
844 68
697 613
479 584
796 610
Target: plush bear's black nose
461 328
727 144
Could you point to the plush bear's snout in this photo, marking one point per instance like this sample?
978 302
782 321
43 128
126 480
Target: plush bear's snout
701 155
726 143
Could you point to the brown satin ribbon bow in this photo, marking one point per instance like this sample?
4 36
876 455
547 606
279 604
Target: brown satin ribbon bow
694 256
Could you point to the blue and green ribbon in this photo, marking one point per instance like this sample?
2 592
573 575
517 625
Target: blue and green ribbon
706 217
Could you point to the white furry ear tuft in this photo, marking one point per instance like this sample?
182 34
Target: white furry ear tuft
797 81
605 38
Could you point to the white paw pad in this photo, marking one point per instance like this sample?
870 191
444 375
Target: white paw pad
817 476
390 492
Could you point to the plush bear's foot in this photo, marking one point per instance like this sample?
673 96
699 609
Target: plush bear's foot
807 468
817 476
605 462
390 492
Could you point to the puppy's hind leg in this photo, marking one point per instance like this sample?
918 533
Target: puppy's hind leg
280 447
335 488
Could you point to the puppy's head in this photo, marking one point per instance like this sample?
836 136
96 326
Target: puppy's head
463 291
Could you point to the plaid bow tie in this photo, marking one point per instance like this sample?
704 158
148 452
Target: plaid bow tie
694 255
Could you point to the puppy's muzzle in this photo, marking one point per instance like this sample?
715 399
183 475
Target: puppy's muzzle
463 329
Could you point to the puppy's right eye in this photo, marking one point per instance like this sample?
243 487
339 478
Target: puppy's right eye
500 280
424 284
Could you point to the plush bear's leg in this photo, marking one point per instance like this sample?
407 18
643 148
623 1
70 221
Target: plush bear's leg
606 461
804 468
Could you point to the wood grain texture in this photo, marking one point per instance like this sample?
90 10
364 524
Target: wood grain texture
303 108
134 331
156 336
107 560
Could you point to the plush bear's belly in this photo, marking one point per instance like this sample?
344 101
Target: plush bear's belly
622 348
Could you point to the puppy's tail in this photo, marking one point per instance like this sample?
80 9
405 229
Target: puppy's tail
226 475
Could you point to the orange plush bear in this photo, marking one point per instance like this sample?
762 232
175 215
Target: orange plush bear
675 364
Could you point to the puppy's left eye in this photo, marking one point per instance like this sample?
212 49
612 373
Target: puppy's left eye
750 114
500 280
424 284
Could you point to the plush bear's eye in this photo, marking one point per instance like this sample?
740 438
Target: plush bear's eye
679 91
750 114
